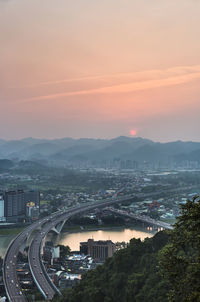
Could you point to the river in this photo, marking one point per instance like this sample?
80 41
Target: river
73 239
116 235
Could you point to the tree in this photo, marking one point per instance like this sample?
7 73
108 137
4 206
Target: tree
180 259
64 250
131 275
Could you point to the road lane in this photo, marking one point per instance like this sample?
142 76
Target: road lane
40 276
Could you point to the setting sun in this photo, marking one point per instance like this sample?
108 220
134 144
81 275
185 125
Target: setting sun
133 132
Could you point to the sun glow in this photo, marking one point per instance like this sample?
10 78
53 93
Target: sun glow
133 132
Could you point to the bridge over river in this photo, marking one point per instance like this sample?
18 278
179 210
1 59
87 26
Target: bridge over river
39 230
142 218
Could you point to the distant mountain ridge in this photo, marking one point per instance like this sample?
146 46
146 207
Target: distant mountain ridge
71 151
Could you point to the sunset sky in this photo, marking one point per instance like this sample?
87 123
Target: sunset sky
100 68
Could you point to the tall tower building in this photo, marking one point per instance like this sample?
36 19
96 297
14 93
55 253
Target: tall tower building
2 212
14 206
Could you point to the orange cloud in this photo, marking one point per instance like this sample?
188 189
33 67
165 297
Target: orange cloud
137 76
154 79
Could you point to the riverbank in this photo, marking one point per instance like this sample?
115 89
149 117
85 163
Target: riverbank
72 237
75 233
73 228
11 231
85 228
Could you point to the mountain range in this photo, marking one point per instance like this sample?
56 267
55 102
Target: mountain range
73 151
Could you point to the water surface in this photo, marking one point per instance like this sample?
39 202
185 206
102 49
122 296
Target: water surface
116 235
74 239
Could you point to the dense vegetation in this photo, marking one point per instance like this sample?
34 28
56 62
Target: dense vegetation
180 258
131 275
163 268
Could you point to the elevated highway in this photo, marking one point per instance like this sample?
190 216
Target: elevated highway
44 284
40 276
53 222
12 286
11 282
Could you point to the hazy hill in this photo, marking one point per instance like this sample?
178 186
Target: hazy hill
2 142
5 164
192 156
41 149
69 150
69 153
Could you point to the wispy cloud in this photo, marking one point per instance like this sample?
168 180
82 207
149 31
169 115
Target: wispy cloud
137 75
145 80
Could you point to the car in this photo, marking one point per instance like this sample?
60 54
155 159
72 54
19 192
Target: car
41 273
12 281
20 292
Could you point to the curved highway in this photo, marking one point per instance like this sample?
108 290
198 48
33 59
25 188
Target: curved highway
46 287
11 282
40 276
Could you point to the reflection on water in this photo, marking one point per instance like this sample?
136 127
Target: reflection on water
73 239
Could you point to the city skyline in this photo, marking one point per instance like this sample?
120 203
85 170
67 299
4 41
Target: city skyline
100 69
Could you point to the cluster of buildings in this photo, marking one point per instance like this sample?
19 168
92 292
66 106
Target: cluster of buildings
19 206
166 208
67 272
138 165
66 200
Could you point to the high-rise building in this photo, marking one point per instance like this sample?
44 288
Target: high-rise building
17 202
14 206
2 214
98 250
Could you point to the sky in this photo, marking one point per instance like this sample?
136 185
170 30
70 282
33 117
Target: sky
100 68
